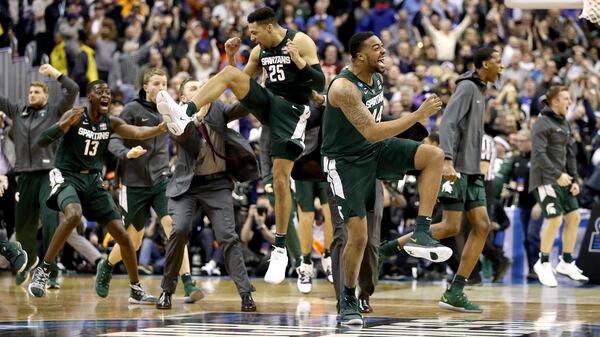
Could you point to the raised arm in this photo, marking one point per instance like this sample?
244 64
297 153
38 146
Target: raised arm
136 132
347 97
56 131
66 101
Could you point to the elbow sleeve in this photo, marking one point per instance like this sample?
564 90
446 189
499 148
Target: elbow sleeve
50 135
316 76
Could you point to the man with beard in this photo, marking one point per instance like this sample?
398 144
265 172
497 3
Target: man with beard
34 162
358 149
209 157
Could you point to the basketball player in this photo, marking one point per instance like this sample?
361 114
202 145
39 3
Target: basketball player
76 184
358 149
306 192
462 188
293 70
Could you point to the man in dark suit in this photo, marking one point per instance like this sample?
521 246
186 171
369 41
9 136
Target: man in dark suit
210 155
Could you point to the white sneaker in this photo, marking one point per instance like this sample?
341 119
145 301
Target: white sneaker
545 273
173 114
209 268
326 264
305 272
571 270
277 266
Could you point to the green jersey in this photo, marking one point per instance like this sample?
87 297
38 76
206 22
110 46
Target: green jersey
283 76
340 137
84 146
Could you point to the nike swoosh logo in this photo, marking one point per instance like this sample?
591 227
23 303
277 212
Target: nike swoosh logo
444 299
413 240
145 119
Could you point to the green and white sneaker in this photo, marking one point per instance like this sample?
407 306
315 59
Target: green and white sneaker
423 245
23 276
138 295
53 277
349 311
103 276
37 287
15 254
458 302
192 293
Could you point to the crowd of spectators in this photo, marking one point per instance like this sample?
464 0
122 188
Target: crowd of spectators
429 43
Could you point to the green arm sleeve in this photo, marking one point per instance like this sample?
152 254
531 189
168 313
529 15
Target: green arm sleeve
316 76
50 135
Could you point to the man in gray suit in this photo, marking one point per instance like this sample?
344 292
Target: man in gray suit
209 156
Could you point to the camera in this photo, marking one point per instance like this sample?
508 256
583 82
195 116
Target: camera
261 210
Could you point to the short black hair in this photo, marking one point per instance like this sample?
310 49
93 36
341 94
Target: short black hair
263 15
92 84
483 54
356 42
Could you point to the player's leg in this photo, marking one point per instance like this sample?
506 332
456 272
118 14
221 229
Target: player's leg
137 295
136 202
282 169
353 255
230 77
547 197
321 193
476 211
353 184
73 213
305 198
398 156
429 161
567 265
50 220
337 245
326 261
104 269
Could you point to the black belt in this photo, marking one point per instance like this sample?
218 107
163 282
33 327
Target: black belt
208 177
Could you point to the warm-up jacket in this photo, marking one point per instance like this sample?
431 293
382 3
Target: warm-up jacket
29 123
148 169
461 130
553 150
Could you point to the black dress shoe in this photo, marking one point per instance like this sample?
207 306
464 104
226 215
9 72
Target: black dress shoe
364 305
248 304
501 269
164 301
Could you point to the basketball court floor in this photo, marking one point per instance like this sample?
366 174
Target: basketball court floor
407 308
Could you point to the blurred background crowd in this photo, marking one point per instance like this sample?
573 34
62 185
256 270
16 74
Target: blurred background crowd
429 43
